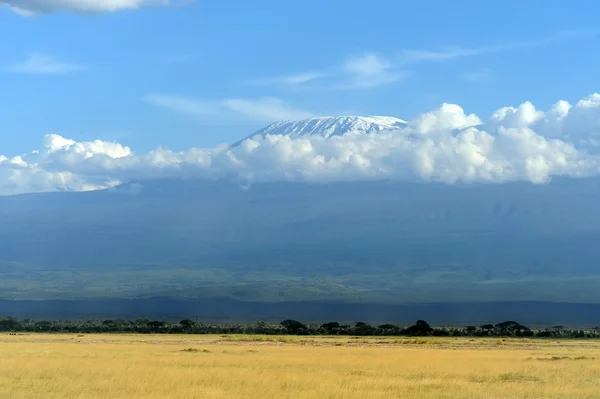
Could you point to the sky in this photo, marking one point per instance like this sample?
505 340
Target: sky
134 80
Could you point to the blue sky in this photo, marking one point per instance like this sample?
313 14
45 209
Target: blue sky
197 74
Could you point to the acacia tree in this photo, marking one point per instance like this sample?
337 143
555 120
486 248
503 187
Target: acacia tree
294 327
511 328
421 328
187 324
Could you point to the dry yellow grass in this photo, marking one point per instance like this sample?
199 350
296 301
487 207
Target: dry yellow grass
129 366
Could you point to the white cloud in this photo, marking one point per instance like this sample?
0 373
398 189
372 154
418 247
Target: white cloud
369 70
33 7
40 64
183 104
450 53
289 80
268 109
445 145
360 72
60 165
523 116
446 118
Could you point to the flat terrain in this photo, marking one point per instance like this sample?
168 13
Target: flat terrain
158 366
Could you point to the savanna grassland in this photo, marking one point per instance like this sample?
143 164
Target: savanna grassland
158 366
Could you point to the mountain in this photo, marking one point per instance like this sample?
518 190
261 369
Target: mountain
354 241
330 126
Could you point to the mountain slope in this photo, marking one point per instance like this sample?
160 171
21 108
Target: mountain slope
330 126
388 241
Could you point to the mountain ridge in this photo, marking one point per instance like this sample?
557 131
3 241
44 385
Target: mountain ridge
329 126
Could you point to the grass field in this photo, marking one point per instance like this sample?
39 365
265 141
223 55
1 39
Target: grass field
157 366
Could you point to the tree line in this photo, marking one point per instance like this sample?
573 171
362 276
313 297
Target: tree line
289 327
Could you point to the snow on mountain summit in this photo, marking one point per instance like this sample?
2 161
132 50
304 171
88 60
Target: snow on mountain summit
330 126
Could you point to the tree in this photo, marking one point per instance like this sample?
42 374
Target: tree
441 332
187 324
471 330
156 325
43 325
111 325
362 328
294 327
262 327
421 328
331 328
9 324
511 328
389 329
487 329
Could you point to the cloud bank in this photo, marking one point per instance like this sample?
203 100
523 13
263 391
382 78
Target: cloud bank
445 145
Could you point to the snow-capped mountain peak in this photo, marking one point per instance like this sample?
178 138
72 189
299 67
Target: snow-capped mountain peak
330 126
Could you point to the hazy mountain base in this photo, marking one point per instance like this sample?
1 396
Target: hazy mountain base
377 242
230 281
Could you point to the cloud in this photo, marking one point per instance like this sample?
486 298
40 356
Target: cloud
33 7
40 64
444 145
57 166
290 80
268 109
449 53
369 70
446 118
184 105
360 72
